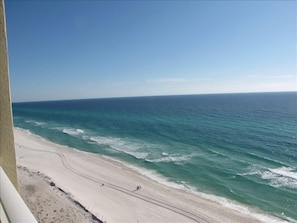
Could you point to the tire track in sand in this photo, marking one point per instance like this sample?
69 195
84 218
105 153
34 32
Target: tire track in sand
200 218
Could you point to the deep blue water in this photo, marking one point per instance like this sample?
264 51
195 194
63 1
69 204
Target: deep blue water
242 147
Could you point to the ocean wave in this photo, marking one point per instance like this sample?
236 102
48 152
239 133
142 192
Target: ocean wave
266 159
281 177
244 209
140 150
36 123
71 131
27 131
126 146
155 176
174 158
285 171
277 177
217 153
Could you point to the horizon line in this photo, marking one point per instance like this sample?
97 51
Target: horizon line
143 96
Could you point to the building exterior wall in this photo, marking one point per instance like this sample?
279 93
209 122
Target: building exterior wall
7 149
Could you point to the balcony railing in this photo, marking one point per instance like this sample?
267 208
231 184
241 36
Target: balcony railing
12 207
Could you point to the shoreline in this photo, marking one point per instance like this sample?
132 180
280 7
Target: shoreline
112 191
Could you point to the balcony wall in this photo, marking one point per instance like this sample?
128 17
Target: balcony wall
7 150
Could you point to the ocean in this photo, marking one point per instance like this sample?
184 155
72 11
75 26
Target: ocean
237 149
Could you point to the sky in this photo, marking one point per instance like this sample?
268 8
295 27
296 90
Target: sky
72 49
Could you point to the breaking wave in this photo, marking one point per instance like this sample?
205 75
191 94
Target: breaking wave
122 145
277 177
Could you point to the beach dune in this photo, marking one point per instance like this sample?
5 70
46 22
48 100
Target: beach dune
112 191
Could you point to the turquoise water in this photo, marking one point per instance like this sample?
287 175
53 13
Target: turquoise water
242 147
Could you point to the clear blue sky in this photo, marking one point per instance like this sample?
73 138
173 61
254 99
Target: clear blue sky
94 49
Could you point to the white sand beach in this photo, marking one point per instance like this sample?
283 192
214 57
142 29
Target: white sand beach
47 202
108 189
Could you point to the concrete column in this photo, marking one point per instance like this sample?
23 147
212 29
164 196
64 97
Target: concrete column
7 150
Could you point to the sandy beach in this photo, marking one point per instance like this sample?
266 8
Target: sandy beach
104 188
49 203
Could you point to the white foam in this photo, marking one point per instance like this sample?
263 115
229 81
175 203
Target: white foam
126 146
153 175
242 209
72 131
174 158
281 177
285 171
27 131
80 131
36 123
277 177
